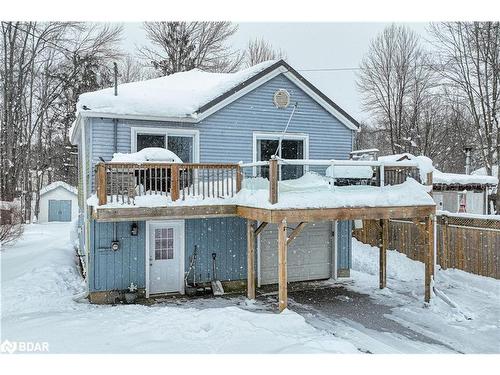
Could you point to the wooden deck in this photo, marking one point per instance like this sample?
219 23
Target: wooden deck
125 183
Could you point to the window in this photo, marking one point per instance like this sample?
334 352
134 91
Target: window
150 140
293 146
164 243
183 142
182 146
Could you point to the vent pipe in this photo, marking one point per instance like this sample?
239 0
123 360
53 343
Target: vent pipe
467 150
116 78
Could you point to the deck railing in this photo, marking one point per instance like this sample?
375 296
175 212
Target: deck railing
383 173
123 182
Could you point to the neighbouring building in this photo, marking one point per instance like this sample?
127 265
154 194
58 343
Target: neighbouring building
58 203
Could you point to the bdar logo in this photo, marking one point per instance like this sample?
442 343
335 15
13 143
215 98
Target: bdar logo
8 347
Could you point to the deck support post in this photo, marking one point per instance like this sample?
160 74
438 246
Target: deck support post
250 259
429 256
384 243
273 181
282 266
174 184
101 184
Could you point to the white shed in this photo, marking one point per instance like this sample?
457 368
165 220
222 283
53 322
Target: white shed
58 202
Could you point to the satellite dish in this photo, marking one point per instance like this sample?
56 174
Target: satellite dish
281 98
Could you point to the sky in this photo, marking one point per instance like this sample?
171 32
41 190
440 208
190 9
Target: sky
309 46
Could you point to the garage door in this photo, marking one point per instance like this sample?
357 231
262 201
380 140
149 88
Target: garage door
59 210
309 255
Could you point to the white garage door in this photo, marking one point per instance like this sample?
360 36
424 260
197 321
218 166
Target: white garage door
309 255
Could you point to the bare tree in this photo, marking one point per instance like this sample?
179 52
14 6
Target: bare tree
131 70
44 66
260 50
181 46
11 224
391 79
469 54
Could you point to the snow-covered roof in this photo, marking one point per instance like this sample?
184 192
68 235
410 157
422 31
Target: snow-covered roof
462 179
482 171
190 96
58 184
147 154
178 95
425 165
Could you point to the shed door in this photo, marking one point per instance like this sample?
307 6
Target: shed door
59 210
309 255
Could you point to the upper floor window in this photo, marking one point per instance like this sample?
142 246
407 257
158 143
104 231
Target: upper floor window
293 146
184 143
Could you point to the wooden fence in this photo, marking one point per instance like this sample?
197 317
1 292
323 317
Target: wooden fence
466 243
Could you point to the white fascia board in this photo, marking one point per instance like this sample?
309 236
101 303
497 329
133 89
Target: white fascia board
75 134
138 117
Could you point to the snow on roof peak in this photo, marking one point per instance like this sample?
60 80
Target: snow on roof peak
176 95
57 184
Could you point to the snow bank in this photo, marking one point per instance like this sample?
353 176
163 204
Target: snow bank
147 154
343 171
319 194
476 296
177 95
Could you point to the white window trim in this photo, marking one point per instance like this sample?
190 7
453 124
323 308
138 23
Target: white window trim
178 224
277 135
167 132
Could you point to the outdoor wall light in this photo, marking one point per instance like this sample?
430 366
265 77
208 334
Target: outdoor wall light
115 245
134 229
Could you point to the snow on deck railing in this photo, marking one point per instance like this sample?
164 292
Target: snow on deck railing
123 182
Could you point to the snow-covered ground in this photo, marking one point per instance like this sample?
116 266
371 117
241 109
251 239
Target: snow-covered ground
39 279
472 327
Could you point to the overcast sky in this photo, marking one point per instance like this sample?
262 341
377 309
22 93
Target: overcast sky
309 46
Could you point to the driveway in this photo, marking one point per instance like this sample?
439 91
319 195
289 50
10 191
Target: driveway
358 318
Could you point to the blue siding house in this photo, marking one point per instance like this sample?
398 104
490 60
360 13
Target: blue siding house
206 118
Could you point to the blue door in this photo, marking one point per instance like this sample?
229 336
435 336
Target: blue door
59 210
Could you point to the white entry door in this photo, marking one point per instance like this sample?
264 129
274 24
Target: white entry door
166 257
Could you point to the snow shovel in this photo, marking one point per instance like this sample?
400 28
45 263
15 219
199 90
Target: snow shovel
217 288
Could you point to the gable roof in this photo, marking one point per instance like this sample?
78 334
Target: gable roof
193 95
56 185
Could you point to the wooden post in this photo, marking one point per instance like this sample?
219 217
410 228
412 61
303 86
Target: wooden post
273 181
429 182
383 253
174 183
250 259
282 266
429 256
238 178
444 237
101 184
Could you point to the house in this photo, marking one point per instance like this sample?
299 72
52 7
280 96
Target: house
454 192
58 202
254 147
